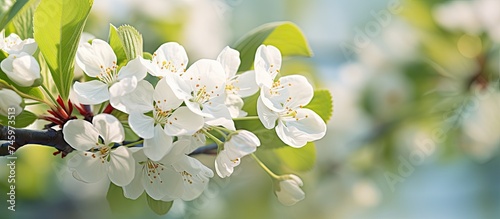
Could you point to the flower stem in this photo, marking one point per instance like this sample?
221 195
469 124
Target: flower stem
215 139
49 94
246 118
265 167
221 133
134 143
222 129
101 108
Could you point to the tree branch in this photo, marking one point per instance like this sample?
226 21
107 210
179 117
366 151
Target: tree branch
23 137
207 149
53 138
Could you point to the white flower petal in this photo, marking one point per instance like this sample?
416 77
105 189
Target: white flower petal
241 143
234 103
154 182
139 100
169 58
135 188
175 184
294 91
267 65
221 117
91 58
158 146
196 140
118 90
299 89
109 127
121 166
266 116
183 122
91 168
306 127
207 81
164 97
142 125
198 179
230 61
224 166
196 108
245 84
134 68
91 92
80 134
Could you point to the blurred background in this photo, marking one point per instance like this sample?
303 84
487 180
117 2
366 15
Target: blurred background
414 132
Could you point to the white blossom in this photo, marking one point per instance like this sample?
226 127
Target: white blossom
95 157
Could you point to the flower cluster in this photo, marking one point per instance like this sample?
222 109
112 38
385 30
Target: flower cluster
177 110
173 114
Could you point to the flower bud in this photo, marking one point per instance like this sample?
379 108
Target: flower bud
10 103
289 191
238 145
22 69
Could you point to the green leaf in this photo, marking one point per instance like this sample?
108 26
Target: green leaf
11 9
322 104
22 22
158 206
298 159
121 205
287 159
58 25
286 36
117 44
131 40
22 120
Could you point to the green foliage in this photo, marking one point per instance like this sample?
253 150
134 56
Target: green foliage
131 41
58 25
322 104
22 22
159 207
289 159
22 120
117 44
7 15
286 36
121 205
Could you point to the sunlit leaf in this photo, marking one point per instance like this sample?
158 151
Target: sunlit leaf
322 104
288 159
117 44
286 36
58 25
131 40
22 22
8 10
